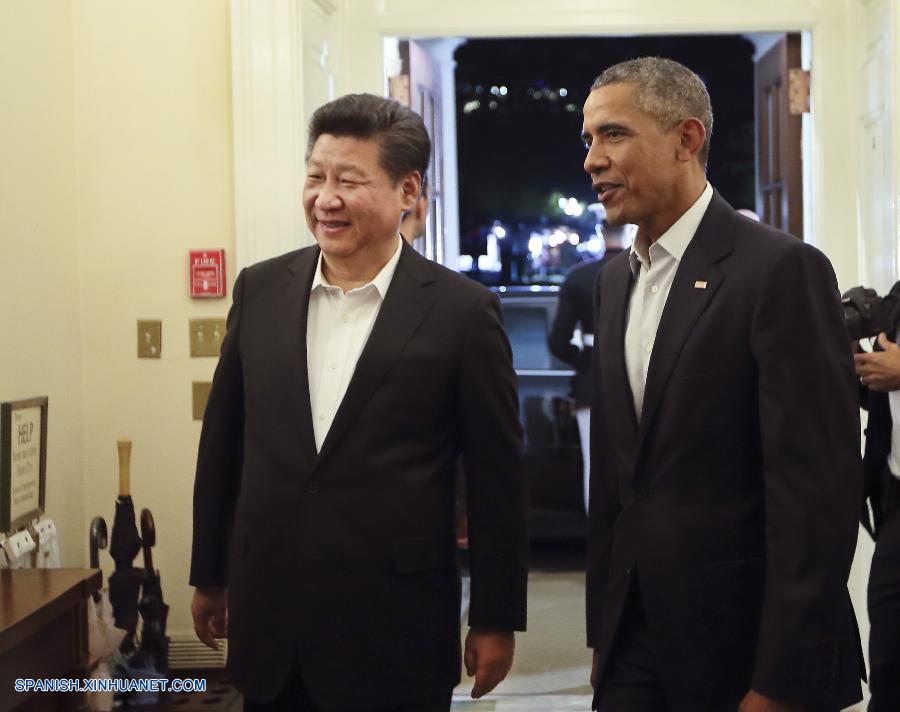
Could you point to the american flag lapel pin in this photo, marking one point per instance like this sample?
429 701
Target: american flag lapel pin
700 284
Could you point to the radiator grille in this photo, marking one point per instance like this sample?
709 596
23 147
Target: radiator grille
187 652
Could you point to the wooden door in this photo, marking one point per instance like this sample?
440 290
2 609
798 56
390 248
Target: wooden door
781 98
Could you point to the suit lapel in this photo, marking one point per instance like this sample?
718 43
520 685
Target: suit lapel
297 298
686 301
404 308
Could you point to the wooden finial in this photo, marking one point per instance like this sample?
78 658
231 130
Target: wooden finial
124 467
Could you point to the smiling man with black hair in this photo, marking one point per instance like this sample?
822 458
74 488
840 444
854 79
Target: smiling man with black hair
353 375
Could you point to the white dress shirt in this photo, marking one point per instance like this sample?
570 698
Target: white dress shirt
654 267
337 328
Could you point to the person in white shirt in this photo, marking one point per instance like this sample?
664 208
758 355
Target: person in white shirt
725 464
879 375
353 376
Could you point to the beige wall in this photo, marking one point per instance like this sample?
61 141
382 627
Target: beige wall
115 139
40 324
153 111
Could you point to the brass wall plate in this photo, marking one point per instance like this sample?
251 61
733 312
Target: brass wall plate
200 394
206 336
149 339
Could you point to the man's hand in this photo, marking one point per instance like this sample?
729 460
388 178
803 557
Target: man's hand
488 656
209 608
755 702
880 370
595 669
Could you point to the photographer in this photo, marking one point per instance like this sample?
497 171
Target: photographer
879 376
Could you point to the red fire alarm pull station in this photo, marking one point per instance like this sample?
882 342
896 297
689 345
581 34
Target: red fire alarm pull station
207 273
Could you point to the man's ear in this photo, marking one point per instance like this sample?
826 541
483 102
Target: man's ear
409 189
692 134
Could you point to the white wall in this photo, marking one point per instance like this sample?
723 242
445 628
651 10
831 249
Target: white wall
153 147
40 322
116 141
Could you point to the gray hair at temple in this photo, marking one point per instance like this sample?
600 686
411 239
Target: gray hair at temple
403 140
667 90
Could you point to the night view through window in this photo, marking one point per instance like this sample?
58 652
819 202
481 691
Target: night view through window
527 214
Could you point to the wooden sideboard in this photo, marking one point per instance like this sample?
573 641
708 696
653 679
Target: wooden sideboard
43 633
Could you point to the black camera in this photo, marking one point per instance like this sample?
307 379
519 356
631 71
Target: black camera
867 315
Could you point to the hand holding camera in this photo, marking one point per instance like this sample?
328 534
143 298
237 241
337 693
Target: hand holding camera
880 370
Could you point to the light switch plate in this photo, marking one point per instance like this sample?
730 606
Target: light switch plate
149 339
206 336
200 394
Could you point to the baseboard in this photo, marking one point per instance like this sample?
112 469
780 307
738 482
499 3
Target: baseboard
186 652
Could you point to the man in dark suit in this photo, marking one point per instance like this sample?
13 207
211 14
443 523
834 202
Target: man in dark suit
575 309
352 375
725 431
879 374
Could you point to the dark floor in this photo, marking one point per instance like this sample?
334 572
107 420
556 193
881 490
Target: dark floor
558 555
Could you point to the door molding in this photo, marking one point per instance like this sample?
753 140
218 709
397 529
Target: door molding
269 127
879 144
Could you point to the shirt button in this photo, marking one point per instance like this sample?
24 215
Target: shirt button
322 416
649 348
346 319
654 289
333 366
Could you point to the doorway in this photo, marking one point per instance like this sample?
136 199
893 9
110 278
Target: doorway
514 110
519 186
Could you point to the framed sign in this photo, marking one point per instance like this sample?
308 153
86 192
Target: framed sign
23 461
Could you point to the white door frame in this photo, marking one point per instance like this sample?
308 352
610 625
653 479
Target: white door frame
265 226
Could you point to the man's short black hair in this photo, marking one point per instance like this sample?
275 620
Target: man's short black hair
403 140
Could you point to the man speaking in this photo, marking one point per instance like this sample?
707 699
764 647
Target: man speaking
725 457
352 376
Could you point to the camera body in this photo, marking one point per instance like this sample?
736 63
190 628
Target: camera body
866 314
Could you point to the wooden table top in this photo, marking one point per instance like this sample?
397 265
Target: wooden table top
31 598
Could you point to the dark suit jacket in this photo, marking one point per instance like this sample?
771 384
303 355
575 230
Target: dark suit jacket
345 560
734 501
879 487
576 306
